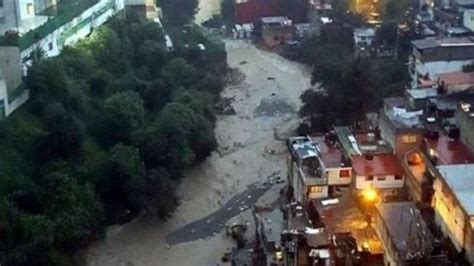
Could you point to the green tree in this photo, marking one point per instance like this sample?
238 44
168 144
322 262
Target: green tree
124 178
123 113
179 73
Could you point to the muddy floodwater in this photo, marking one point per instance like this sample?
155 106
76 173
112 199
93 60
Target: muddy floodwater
223 188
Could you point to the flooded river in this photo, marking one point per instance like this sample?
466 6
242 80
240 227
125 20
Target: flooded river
265 103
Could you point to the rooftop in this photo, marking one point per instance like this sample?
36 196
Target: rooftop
459 178
345 216
364 32
330 153
406 229
434 42
276 21
449 151
398 112
347 141
378 164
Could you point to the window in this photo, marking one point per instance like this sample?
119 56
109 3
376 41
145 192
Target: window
409 139
30 9
345 173
398 177
50 46
369 178
315 189
381 178
1 4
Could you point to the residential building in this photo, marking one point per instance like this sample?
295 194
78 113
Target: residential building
465 119
277 30
29 26
304 242
333 162
407 239
379 171
420 164
453 202
269 226
145 9
433 56
342 216
362 142
420 173
333 166
400 125
468 19
364 37
305 172
250 11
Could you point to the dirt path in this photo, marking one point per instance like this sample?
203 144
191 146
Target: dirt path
265 104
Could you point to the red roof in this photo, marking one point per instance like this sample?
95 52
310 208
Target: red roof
331 155
249 12
450 151
457 78
380 164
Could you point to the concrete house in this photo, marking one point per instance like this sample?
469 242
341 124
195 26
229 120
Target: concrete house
305 172
277 30
400 125
406 237
453 202
433 56
380 171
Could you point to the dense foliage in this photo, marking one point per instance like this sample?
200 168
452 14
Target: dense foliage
353 84
111 125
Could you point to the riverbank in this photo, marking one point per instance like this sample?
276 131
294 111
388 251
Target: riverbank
265 105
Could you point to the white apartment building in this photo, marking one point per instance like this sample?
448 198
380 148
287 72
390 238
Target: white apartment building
49 25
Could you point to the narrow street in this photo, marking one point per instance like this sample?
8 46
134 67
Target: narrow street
226 185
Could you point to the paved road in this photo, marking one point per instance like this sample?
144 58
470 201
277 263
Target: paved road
215 222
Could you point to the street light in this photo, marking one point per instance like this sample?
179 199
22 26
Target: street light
370 195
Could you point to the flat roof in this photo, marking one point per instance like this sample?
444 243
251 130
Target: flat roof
456 78
303 147
422 93
434 42
330 155
378 164
460 179
406 229
450 151
345 216
368 32
277 21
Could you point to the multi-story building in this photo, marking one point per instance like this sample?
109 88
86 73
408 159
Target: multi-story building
379 171
454 206
400 125
327 167
406 237
27 26
433 56
305 174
